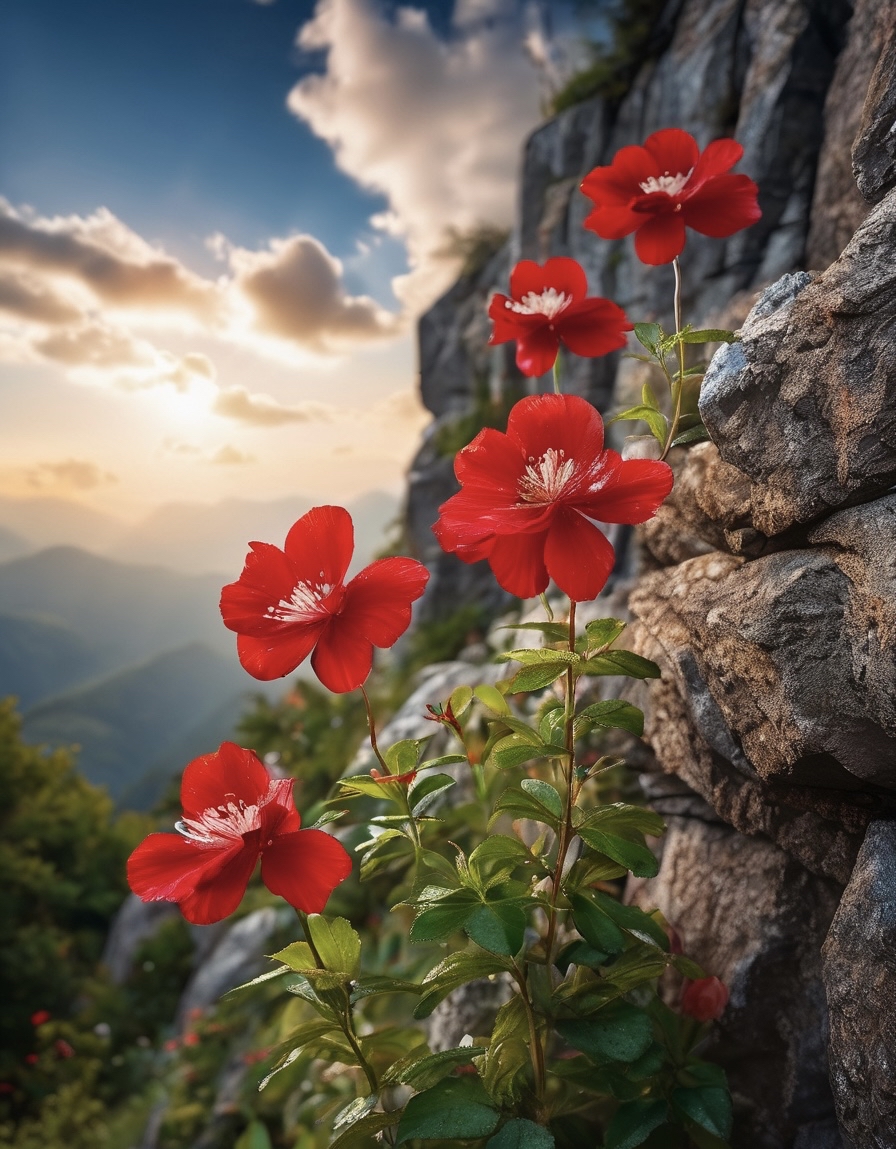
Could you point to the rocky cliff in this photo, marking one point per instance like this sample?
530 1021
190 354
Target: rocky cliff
767 590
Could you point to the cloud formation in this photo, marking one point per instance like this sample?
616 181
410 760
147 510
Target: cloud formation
70 474
296 292
434 125
261 410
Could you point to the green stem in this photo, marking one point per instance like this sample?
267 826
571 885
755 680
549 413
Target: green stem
371 726
557 390
537 1052
346 1021
678 384
566 828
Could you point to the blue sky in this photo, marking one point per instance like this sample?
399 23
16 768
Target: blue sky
219 222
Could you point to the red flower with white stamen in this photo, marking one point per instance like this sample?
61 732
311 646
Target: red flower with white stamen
528 498
547 306
289 603
234 814
658 190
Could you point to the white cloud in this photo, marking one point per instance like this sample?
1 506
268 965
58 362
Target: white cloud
70 474
434 125
264 411
230 456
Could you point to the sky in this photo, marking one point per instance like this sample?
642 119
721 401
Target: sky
219 222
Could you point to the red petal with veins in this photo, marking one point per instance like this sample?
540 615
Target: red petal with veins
660 239
279 654
723 205
168 867
563 274
230 774
304 868
267 577
593 327
536 350
378 600
631 490
217 898
517 562
674 152
578 556
320 545
343 657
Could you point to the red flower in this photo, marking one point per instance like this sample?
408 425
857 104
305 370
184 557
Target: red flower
63 1049
705 999
289 603
41 1017
234 813
659 189
547 307
528 498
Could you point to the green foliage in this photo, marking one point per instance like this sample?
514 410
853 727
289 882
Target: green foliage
615 66
486 410
473 247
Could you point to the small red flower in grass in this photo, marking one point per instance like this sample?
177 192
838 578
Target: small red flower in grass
63 1049
40 1017
234 814
529 496
705 999
547 306
289 603
658 190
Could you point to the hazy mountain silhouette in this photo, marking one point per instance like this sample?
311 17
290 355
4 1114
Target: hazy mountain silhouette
39 658
125 723
13 545
45 521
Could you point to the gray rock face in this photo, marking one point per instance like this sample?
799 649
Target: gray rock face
810 449
135 922
874 151
758 924
860 977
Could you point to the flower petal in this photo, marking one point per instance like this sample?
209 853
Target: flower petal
593 327
278 654
612 221
278 810
675 152
378 600
617 184
230 774
723 205
517 562
562 273
717 158
540 423
168 867
660 239
536 349
305 868
343 656
320 545
627 490
217 897
266 578
579 558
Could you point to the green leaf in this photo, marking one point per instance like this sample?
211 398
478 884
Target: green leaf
619 1031
555 631
424 790
326 818
621 662
697 434
544 793
648 398
422 1069
403 756
455 1108
338 945
595 926
439 920
708 335
655 420
374 984
707 1106
355 1110
442 760
580 953
519 1133
455 970
491 697
614 714
520 804
538 657
635 967
513 750
460 700
362 1134
634 920
508 1058
603 632
648 335
498 928
272 973
635 856
496 858
688 968
619 817
297 956
364 784
633 1123
530 678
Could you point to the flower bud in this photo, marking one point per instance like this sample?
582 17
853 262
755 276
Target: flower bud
705 999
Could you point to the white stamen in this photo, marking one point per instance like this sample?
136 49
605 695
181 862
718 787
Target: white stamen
671 185
303 605
221 825
543 482
549 303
